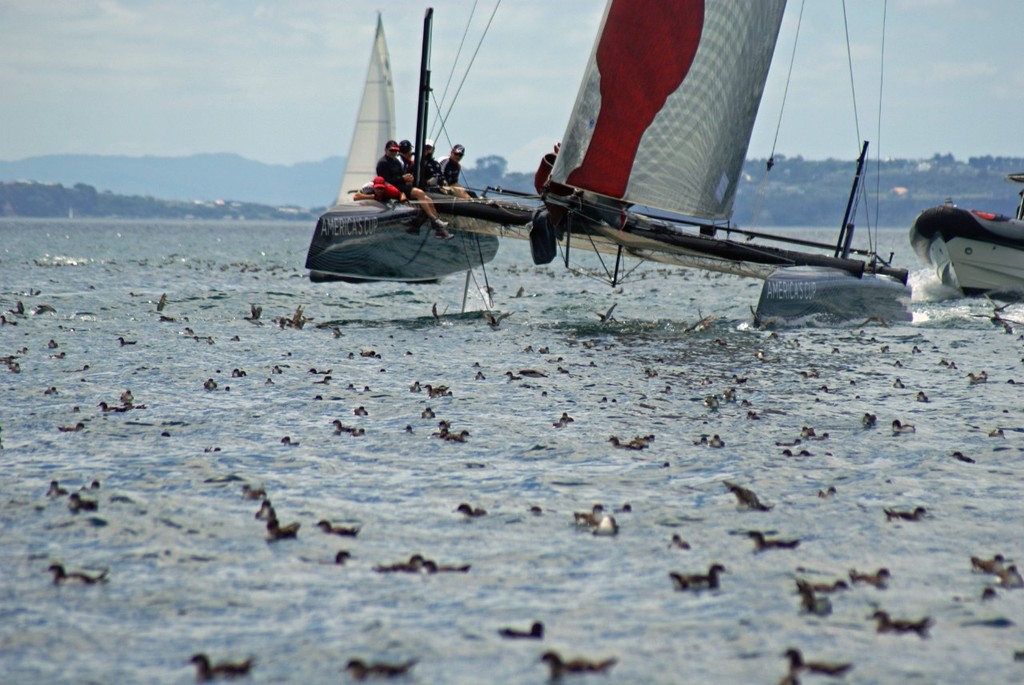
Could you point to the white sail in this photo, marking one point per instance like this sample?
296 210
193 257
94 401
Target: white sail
376 122
667 104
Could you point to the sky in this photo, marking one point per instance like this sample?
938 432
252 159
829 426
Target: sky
279 82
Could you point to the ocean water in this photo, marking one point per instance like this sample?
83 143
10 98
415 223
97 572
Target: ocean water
190 568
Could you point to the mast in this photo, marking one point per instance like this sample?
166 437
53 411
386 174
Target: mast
846 232
423 97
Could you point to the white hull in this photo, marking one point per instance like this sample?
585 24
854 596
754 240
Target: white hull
979 266
976 252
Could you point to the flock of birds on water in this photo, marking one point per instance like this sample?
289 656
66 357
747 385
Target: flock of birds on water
815 597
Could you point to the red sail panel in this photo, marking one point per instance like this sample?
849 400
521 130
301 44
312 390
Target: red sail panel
643 55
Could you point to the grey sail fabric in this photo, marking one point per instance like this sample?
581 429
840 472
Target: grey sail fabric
690 143
375 124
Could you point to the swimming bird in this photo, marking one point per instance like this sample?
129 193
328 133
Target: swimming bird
899 427
342 556
993 565
60 576
637 443
827 493
564 421
996 433
697 581
974 379
266 510
123 342
1010 577
898 384
536 632
344 531
56 490
437 391
869 420
470 512
360 411
414 565
678 542
960 456
427 413
454 437
249 492
762 543
77 503
559 667
360 670
72 429
921 397
879 578
589 518
887 624
797 663
532 373
275 531
745 497
225 669
917 514
209 384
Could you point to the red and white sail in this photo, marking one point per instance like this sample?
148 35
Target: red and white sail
668 101
375 124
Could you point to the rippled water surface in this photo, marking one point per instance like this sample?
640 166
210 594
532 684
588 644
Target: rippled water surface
190 569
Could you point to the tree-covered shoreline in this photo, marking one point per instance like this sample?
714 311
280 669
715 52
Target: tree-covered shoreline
795 192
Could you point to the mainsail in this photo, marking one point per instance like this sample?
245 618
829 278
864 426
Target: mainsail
667 104
376 122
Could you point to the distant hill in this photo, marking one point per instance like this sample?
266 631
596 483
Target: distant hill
797 192
206 177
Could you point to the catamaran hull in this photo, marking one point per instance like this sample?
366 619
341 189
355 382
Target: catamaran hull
817 294
369 241
976 252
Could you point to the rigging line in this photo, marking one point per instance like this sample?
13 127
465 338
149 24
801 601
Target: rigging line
849 62
789 76
458 54
878 132
472 59
778 126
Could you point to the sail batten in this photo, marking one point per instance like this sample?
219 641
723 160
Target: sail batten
668 101
375 123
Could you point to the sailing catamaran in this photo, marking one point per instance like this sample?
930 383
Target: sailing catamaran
662 120
368 240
